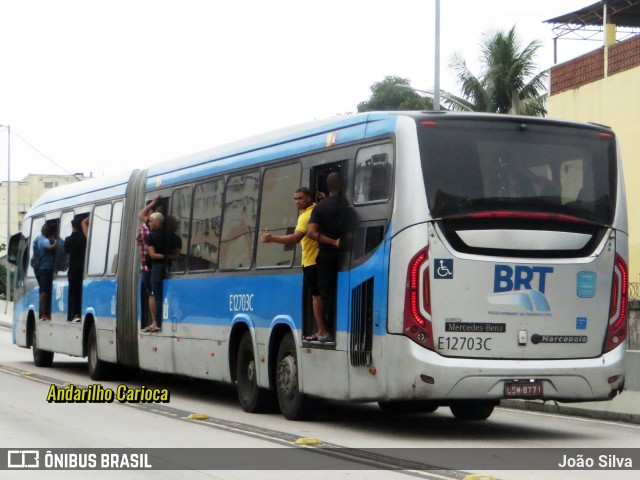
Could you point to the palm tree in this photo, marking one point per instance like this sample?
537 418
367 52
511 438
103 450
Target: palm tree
508 81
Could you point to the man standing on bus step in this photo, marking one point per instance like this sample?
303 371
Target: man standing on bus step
326 226
155 248
304 203
142 237
75 245
44 247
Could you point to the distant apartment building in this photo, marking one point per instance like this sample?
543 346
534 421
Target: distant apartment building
23 194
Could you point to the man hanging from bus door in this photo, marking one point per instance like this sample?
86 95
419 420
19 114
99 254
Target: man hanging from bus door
44 247
155 248
75 245
304 203
326 226
142 237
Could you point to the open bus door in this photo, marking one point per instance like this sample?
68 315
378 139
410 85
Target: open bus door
318 184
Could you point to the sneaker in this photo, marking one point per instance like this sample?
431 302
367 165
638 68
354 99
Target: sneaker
77 319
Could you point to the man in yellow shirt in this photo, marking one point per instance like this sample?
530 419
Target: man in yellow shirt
303 200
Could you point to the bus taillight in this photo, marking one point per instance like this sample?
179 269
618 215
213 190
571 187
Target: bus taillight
417 305
617 329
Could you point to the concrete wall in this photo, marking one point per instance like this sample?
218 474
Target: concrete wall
612 100
633 337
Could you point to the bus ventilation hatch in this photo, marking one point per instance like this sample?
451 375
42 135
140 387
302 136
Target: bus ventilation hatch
361 324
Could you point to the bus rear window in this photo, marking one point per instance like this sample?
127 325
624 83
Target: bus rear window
480 166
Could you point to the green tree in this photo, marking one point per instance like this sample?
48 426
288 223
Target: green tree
509 80
3 282
387 95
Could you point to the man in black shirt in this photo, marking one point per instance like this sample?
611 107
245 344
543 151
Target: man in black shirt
155 247
163 246
326 226
75 245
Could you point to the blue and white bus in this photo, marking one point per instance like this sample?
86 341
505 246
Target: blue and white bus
487 259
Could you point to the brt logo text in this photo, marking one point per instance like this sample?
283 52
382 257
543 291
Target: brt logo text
520 277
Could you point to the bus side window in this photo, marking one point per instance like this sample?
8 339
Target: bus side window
205 232
99 237
178 223
278 214
62 258
374 174
114 238
239 221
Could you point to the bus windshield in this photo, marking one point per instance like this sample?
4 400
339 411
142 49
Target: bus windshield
473 166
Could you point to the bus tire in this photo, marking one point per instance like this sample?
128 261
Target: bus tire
408 406
98 369
472 410
253 399
294 405
41 358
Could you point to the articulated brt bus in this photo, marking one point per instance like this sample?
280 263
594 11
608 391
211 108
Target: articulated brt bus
486 259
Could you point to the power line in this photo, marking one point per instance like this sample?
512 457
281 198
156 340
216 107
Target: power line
43 155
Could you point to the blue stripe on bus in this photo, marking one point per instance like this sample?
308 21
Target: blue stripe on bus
217 300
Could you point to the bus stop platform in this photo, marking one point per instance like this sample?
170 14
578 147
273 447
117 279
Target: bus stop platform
625 407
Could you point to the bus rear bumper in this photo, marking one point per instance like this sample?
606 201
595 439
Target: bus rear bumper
423 374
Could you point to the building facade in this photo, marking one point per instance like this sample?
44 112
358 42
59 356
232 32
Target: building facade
602 87
23 194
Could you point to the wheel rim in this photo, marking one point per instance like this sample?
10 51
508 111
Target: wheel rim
287 378
251 372
247 382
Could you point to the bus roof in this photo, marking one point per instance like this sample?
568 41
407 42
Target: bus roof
285 142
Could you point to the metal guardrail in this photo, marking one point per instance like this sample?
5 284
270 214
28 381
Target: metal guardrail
634 291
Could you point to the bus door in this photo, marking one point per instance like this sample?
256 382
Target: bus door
18 255
371 193
318 182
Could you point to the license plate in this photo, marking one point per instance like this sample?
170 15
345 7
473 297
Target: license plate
524 389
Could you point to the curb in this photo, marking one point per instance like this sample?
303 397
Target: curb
551 406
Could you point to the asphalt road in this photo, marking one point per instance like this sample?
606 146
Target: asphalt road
349 434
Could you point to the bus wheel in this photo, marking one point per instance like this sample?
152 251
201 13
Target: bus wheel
408 406
41 358
472 410
253 399
98 369
293 404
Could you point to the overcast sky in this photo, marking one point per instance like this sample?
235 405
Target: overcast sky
104 86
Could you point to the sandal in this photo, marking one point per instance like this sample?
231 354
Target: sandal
311 338
148 329
156 330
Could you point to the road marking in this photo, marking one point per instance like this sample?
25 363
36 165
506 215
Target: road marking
353 455
573 417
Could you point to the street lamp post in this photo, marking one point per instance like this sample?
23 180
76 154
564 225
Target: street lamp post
8 285
436 80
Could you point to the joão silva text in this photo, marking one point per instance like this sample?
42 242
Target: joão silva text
603 461
96 393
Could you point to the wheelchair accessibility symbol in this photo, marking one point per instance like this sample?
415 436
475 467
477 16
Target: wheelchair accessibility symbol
443 268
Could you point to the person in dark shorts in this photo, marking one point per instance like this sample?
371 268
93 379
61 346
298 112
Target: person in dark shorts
304 202
142 236
326 226
75 245
156 250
